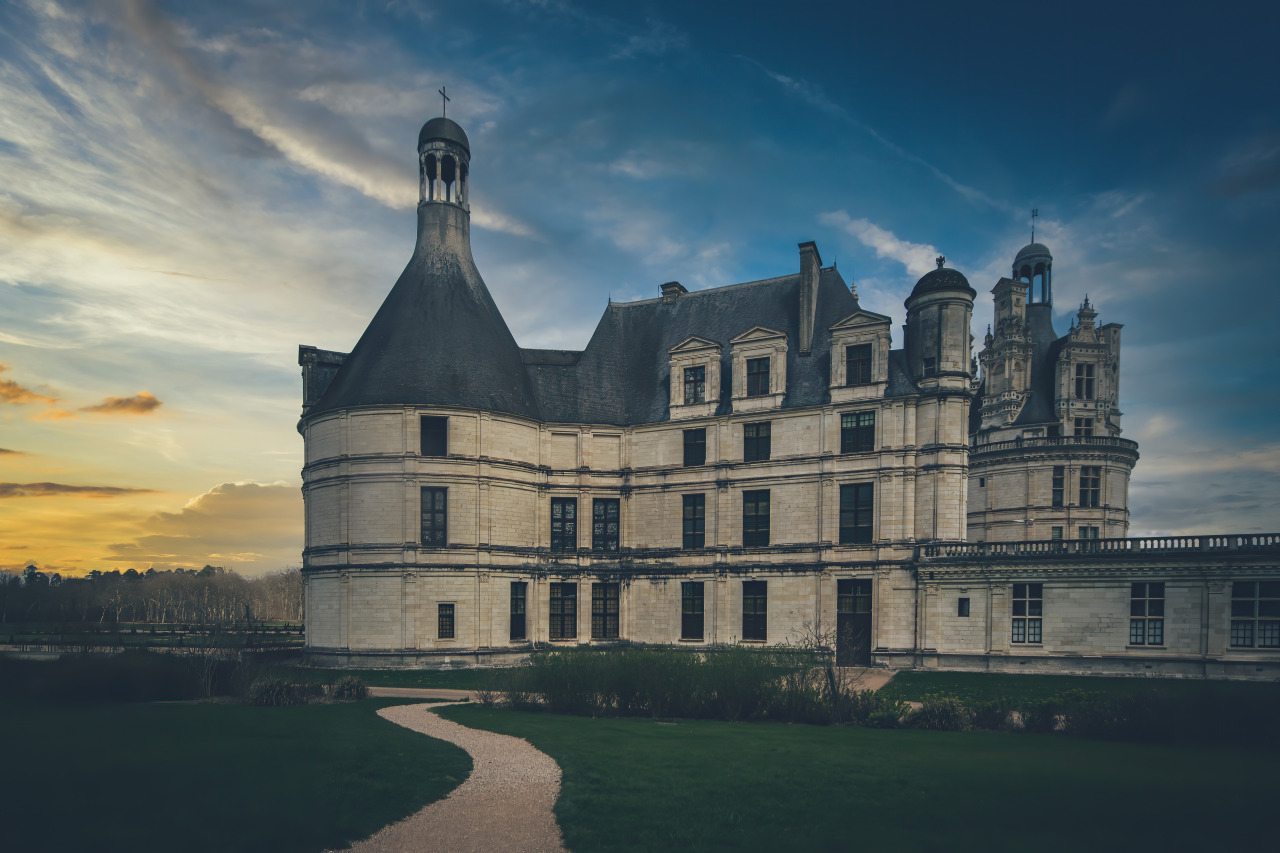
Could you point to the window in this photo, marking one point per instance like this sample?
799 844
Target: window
755 518
444 621
1028 610
435 436
982 482
1146 612
857 365
564 524
695 385
755 609
604 611
1055 532
1087 532
853 596
757 377
962 607
564 611
1090 485
755 442
930 366
856 516
1059 484
691 610
695 521
1084 427
857 432
1255 614
695 447
604 525
1084 381
519 597
434 517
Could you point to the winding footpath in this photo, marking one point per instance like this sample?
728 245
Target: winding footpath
505 804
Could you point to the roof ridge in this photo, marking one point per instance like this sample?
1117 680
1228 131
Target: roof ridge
690 293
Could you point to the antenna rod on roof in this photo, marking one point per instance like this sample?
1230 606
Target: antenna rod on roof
444 103
1035 211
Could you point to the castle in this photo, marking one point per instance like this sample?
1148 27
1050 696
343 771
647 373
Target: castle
746 464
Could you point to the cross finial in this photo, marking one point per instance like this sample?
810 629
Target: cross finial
444 102
1035 211
940 260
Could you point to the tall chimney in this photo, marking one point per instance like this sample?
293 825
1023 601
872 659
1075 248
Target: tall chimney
810 268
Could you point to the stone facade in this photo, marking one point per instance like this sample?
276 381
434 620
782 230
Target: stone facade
726 466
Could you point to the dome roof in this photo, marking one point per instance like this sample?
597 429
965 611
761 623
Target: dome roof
446 129
943 278
1033 250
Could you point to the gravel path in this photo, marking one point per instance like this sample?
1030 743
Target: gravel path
505 804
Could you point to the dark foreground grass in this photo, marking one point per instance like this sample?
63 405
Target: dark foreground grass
915 685
641 784
212 776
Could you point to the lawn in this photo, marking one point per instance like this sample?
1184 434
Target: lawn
641 784
212 776
453 679
975 686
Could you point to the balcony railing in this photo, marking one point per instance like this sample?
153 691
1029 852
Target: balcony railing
1100 441
1050 548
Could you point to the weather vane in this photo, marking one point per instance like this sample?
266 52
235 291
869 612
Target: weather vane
1035 211
444 103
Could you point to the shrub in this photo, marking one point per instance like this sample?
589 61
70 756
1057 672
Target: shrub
941 713
991 714
349 687
886 717
276 692
1040 717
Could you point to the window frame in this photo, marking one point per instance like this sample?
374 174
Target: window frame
962 607
601 537
565 541
857 365
439 518
695 449
858 431
1259 628
440 429
853 595
757 441
446 622
757 372
1084 377
755 524
1058 486
930 366
692 610
857 513
1146 613
693 521
1027 614
562 621
1083 428
606 605
755 611
1090 479
695 381
519 611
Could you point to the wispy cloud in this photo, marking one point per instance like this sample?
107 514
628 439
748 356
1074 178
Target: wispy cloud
918 258
12 392
49 490
141 403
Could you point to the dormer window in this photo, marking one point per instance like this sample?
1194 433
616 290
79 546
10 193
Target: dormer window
1084 381
695 385
859 357
759 364
857 361
757 377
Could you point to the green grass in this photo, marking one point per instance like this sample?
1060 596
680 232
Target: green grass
914 685
640 784
452 679
212 776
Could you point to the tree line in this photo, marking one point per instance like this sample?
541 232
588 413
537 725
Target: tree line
209 596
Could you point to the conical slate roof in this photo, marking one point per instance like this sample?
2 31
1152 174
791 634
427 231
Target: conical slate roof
438 339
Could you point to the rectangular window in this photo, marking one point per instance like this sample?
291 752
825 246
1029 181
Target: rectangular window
755 610
857 365
853 596
695 447
1028 612
755 442
857 432
1059 484
755 518
694 521
564 524
1255 614
757 377
444 621
434 517
695 385
930 366
604 524
1090 485
1084 381
564 611
691 610
1055 532
604 611
1146 614
962 607
1084 427
519 598
856 514
435 436
1087 532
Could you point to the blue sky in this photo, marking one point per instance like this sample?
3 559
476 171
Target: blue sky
188 191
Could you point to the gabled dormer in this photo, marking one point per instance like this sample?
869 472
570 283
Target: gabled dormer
859 356
759 360
695 378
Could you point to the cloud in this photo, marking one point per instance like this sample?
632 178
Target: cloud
4 451
256 526
54 414
49 490
141 403
918 258
655 41
1253 167
12 392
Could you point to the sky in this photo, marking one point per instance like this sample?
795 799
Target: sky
188 191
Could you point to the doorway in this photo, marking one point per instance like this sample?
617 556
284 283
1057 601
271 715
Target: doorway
853 622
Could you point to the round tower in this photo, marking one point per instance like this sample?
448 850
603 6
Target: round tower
1034 265
937 331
